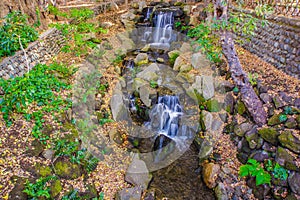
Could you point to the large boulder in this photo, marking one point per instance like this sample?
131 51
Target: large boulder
204 85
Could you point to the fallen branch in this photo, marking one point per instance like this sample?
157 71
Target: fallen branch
26 58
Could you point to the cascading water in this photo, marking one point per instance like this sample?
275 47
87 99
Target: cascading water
165 121
163 23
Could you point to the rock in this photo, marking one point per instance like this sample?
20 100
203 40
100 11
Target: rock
285 159
180 61
288 140
160 60
199 61
142 5
137 83
130 194
141 58
297 103
229 103
185 68
135 5
127 20
205 150
36 148
208 90
115 136
207 119
213 105
67 170
260 191
145 91
276 119
221 192
138 174
55 188
291 123
210 174
185 47
17 192
194 21
260 156
106 24
42 170
185 77
278 102
149 73
240 107
241 129
227 86
48 154
118 108
89 36
265 98
294 182
269 134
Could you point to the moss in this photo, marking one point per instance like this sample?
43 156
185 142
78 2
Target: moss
274 120
143 62
43 171
270 135
72 129
213 105
240 107
67 170
55 188
287 139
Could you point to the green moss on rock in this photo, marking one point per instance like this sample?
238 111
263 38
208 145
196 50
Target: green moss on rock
240 107
55 188
269 134
213 105
274 120
288 140
66 169
43 171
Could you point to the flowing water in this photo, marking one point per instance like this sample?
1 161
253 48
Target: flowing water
180 178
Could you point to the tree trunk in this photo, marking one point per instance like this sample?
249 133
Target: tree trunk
249 97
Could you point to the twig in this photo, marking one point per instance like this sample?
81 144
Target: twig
27 62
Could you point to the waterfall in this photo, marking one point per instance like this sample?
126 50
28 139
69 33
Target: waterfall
165 121
163 23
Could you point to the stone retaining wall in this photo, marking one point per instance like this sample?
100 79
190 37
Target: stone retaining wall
278 43
40 51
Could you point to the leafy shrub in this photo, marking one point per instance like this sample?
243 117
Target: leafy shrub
173 58
78 29
39 188
278 171
15 31
253 168
39 87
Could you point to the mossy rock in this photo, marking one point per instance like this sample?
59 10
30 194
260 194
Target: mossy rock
42 170
213 105
68 127
240 107
298 120
269 134
67 170
17 192
55 188
90 193
285 159
291 123
288 140
277 119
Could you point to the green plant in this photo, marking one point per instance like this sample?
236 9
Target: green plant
288 110
38 189
37 23
173 57
15 33
235 90
72 195
38 87
153 84
278 171
253 78
177 24
253 168
78 30
282 118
